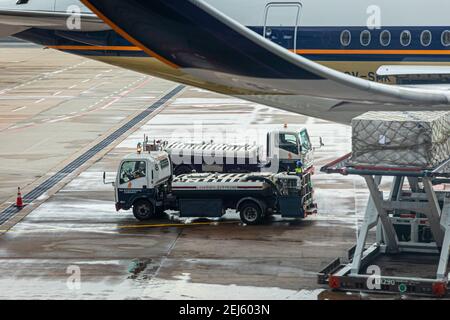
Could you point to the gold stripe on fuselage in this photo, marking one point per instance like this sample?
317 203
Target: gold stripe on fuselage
298 51
96 48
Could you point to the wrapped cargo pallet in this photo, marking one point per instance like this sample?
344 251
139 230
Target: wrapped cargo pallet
409 139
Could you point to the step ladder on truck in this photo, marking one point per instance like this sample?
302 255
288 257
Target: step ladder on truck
145 183
412 229
283 149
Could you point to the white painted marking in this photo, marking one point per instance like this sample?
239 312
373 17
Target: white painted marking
39 101
18 109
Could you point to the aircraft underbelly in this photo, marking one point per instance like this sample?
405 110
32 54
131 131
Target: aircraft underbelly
7 30
309 104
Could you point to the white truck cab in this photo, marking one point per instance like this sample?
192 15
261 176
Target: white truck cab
141 171
287 147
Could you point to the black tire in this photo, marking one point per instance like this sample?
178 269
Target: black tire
182 169
250 213
143 210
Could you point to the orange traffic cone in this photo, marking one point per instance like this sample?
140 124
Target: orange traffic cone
19 200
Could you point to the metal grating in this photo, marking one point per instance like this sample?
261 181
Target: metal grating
40 190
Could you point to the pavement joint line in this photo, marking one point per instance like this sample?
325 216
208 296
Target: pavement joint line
11 211
41 77
64 117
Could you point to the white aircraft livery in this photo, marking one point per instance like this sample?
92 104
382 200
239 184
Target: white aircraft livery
323 58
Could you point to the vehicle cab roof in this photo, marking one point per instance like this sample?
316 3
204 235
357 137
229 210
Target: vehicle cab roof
150 156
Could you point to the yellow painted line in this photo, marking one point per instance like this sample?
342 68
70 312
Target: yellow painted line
163 225
137 226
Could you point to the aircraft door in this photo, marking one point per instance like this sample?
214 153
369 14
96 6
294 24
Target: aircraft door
281 23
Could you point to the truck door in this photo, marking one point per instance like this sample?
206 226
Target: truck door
284 148
305 142
307 152
289 143
131 179
281 23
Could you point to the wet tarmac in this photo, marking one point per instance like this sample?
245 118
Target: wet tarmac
52 105
76 246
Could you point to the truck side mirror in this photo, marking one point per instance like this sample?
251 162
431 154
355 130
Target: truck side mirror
104 179
321 144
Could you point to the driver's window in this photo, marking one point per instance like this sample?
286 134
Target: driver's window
132 170
288 142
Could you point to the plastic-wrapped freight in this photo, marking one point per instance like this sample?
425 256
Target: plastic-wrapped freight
409 139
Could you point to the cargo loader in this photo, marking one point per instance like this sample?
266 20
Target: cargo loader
411 225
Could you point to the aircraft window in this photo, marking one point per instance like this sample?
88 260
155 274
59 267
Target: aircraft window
425 38
445 38
365 38
346 38
405 38
385 38
132 170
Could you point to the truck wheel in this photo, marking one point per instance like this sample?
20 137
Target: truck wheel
250 213
143 210
182 169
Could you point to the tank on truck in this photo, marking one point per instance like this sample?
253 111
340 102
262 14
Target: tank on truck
284 148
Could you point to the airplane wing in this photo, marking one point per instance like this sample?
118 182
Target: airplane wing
15 21
219 49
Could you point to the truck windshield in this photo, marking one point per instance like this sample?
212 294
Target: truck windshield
304 140
132 170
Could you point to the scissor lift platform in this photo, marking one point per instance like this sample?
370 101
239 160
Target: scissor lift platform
411 251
